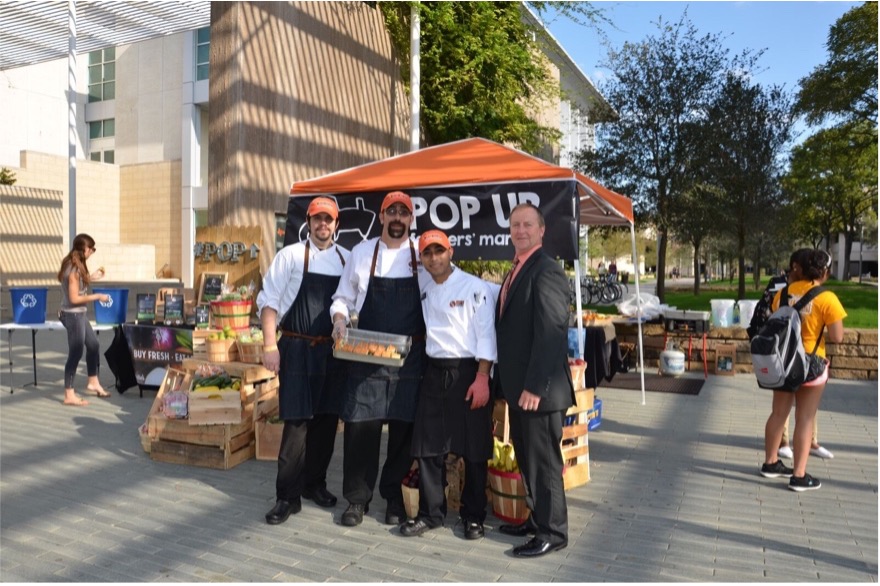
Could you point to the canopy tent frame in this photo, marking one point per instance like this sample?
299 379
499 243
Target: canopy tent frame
478 161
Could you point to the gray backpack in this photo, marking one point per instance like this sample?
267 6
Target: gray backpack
778 357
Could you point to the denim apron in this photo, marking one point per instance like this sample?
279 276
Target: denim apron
311 380
374 391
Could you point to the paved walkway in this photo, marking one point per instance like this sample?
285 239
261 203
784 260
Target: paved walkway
675 496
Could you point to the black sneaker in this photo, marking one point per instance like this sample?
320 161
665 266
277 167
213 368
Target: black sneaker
805 482
776 470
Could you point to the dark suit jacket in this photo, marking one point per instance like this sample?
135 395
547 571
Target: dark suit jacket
532 334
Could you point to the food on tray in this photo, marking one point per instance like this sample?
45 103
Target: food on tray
368 349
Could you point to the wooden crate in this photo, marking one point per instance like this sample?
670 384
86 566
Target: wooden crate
575 442
229 455
217 407
200 345
212 446
575 446
248 373
268 434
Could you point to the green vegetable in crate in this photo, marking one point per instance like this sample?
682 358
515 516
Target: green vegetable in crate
220 380
184 340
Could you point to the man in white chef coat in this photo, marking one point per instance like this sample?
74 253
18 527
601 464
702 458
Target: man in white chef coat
454 413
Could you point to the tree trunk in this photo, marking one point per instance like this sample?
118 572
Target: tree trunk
696 268
849 236
741 261
661 264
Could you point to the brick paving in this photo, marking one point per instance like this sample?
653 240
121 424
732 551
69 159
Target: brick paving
675 496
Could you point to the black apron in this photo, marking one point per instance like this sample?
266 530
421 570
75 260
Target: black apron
373 391
445 422
311 379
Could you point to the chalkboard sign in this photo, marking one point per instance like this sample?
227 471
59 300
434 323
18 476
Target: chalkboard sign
146 307
212 287
203 317
173 309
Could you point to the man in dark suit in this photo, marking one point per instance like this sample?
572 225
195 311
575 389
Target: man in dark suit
533 376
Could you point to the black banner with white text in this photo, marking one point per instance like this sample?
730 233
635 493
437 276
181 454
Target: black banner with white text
476 218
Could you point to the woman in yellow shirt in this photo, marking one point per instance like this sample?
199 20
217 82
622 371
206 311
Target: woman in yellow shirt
821 320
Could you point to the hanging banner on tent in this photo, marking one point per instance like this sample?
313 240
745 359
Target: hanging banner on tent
476 217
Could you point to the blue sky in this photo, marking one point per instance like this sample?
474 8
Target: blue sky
793 34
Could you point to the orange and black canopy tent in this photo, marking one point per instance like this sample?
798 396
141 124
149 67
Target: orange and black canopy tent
483 173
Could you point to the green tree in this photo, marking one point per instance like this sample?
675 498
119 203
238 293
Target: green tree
750 127
482 73
7 177
695 217
845 86
836 166
661 87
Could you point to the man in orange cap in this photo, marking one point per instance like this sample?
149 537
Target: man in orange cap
382 284
298 287
453 414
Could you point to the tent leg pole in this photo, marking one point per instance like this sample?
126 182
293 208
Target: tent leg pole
632 232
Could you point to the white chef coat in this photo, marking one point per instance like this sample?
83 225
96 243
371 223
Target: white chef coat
460 317
392 263
282 281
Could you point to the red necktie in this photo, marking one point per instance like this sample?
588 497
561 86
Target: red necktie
507 283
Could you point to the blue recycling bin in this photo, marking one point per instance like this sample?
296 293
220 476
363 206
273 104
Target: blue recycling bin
29 304
112 311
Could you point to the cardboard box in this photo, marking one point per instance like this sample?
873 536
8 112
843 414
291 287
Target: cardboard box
725 359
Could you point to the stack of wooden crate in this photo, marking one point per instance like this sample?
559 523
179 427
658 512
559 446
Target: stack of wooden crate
575 445
211 445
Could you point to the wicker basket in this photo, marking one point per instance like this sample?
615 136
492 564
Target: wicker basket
251 352
222 350
508 496
235 314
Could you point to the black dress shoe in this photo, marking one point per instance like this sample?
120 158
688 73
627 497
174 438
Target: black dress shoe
395 512
354 514
321 496
537 547
282 510
520 530
415 527
473 530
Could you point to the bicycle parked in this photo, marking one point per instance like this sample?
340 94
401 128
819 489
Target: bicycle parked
601 291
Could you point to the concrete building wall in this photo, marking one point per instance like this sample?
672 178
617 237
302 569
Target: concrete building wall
34 111
297 90
148 101
150 211
123 252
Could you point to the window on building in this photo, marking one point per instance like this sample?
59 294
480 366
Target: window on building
203 49
102 129
107 156
101 140
102 75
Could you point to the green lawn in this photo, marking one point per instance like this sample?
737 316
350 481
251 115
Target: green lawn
860 301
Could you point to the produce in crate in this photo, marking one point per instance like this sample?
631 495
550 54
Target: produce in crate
217 382
226 334
233 293
503 457
253 336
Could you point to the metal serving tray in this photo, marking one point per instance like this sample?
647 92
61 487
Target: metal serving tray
367 346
